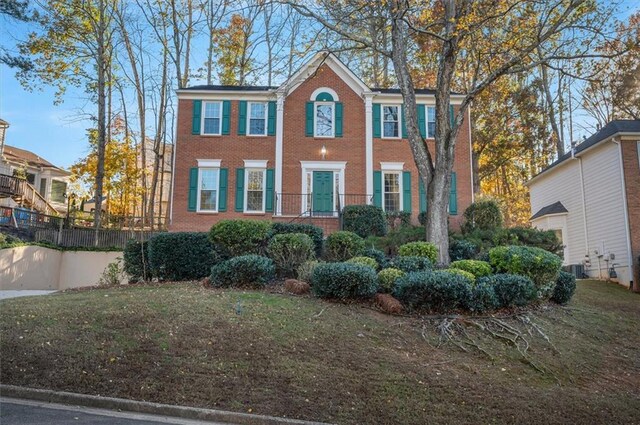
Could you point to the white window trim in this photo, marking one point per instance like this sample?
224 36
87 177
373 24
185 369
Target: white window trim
198 209
266 119
426 121
204 109
311 166
382 121
246 189
209 163
392 168
333 119
638 146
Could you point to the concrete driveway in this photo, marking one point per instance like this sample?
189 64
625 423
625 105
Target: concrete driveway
4 294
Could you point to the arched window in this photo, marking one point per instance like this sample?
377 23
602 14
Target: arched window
324 114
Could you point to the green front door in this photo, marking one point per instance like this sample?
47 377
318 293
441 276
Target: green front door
322 192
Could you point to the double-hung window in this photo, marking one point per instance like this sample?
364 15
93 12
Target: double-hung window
255 179
212 118
431 122
208 188
390 121
257 119
392 190
324 119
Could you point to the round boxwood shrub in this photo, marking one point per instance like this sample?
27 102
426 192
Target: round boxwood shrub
564 289
462 249
510 289
240 237
365 261
377 255
289 250
483 298
314 232
136 260
436 291
483 215
470 277
343 280
342 245
541 266
306 270
475 267
387 279
412 264
246 270
364 220
181 255
419 249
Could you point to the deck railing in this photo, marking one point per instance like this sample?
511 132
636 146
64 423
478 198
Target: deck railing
11 186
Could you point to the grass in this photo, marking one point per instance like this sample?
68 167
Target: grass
270 353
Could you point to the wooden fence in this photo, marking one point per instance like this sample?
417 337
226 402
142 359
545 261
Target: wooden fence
106 238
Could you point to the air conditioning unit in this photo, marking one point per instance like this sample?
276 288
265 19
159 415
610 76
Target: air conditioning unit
576 269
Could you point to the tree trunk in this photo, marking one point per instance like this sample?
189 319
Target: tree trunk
101 71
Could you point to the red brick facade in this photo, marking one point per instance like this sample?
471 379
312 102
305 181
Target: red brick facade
233 149
631 165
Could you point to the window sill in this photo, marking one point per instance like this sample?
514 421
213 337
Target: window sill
213 135
255 213
207 212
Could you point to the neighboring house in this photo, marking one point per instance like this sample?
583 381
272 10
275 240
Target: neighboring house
320 141
591 198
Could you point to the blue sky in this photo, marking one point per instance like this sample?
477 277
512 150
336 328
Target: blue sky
57 132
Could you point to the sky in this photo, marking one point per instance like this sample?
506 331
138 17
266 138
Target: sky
58 132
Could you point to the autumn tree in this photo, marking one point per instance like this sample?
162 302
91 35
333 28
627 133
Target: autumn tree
235 49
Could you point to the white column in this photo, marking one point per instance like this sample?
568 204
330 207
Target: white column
368 112
279 150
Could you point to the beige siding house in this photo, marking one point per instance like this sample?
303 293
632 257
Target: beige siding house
591 198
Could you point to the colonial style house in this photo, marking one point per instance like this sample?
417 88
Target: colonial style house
591 198
303 150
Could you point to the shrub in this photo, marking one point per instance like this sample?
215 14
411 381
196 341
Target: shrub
240 237
432 291
306 270
136 260
364 220
541 266
342 245
510 289
469 276
343 280
483 215
387 278
529 236
377 255
397 219
314 232
564 289
395 238
289 250
412 264
483 298
476 267
246 270
462 249
422 218
365 261
419 249
181 255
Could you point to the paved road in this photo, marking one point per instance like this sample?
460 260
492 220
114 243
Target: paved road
27 412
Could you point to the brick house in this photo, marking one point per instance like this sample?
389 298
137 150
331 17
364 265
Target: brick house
590 197
302 151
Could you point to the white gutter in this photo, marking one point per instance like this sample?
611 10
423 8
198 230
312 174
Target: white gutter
626 211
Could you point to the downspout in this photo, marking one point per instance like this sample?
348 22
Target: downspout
473 195
626 212
584 204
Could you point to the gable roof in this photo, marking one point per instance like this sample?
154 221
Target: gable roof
613 128
230 88
17 155
555 208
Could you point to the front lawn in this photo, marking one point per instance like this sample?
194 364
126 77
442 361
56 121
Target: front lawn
275 354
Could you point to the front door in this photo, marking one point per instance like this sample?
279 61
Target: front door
322 192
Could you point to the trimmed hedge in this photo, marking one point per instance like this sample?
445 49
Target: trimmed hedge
314 232
181 255
433 291
476 267
289 250
412 264
462 249
564 289
247 270
365 261
343 280
342 245
387 278
511 289
419 249
377 255
483 215
483 298
529 236
136 260
240 237
395 238
469 276
364 220
541 266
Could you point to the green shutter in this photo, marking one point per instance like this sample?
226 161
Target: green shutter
242 118
193 189
197 115
377 188
239 189
423 196
222 198
271 119
404 123
451 115
453 196
376 120
226 113
324 97
406 191
338 119
268 203
422 121
309 120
